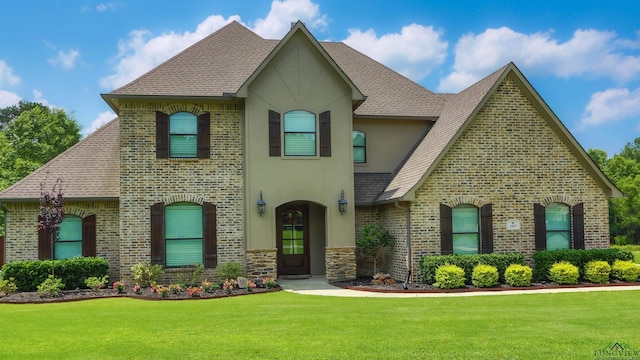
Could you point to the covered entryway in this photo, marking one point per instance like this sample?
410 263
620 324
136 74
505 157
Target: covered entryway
300 239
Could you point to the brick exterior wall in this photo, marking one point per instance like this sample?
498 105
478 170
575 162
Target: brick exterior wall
511 158
146 180
22 230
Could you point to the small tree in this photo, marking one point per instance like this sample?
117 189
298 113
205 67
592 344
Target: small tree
51 213
372 242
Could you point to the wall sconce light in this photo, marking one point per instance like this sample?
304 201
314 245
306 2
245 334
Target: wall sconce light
262 205
342 203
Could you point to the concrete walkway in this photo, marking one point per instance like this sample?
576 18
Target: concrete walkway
318 285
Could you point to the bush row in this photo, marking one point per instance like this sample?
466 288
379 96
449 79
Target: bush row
28 274
543 260
429 264
449 276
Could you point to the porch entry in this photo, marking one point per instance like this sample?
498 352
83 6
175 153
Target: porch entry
292 239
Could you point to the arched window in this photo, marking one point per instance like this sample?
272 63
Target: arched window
183 234
558 226
359 147
69 242
299 133
466 230
183 135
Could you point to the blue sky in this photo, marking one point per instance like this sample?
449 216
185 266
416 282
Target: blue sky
583 57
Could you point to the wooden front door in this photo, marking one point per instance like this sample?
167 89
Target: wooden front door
292 227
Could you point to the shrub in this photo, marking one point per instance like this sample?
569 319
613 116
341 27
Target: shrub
191 276
597 272
97 283
484 276
543 260
50 287
229 271
429 264
518 275
625 270
449 276
72 272
119 286
8 286
564 272
146 274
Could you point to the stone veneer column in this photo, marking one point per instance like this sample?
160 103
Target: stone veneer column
341 263
262 262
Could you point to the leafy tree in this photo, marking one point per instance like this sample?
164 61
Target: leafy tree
12 112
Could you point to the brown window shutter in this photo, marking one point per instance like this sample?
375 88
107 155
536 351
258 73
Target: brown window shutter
89 236
157 234
325 133
204 136
209 232
162 135
446 230
540 227
486 231
578 226
44 245
274 133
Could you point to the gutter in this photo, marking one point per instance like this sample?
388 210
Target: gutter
407 210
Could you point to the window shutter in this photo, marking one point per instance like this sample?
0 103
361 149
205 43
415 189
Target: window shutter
540 227
157 234
162 135
204 136
209 235
486 222
44 244
578 226
446 230
274 133
89 236
325 133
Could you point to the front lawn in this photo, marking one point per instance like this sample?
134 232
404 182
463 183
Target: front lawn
283 325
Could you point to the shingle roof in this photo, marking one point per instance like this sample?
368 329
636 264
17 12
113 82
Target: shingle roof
220 64
89 169
367 186
455 114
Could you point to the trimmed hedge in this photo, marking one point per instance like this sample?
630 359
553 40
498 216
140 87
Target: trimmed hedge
429 264
627 271
518 275
543 260
449 277
29 274
484 276
564 273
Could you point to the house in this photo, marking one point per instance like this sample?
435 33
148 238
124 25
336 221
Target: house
274 153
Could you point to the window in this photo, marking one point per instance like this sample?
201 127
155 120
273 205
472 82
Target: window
559 226
359 147
183 135
299 133
183 234
466 229
69 242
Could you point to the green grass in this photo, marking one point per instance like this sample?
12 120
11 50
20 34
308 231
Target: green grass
289 326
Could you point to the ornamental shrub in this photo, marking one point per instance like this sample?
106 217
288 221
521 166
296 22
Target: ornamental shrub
542 260
429 264
97 283
50 287
230 271
597 272
518 275
146 274
625 270
8 286
484 276
449 276
564 272
72 272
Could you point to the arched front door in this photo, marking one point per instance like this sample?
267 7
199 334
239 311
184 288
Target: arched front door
292 233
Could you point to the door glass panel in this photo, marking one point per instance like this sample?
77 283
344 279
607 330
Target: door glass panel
292 232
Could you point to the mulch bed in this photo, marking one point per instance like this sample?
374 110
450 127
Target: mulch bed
146 294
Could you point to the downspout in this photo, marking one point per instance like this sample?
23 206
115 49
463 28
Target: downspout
4 220
407 210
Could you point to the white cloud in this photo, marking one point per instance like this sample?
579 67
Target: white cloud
8 98
102 7
589 53
414 52
65 59
6 75
103 118
283 13
37 97
611 105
